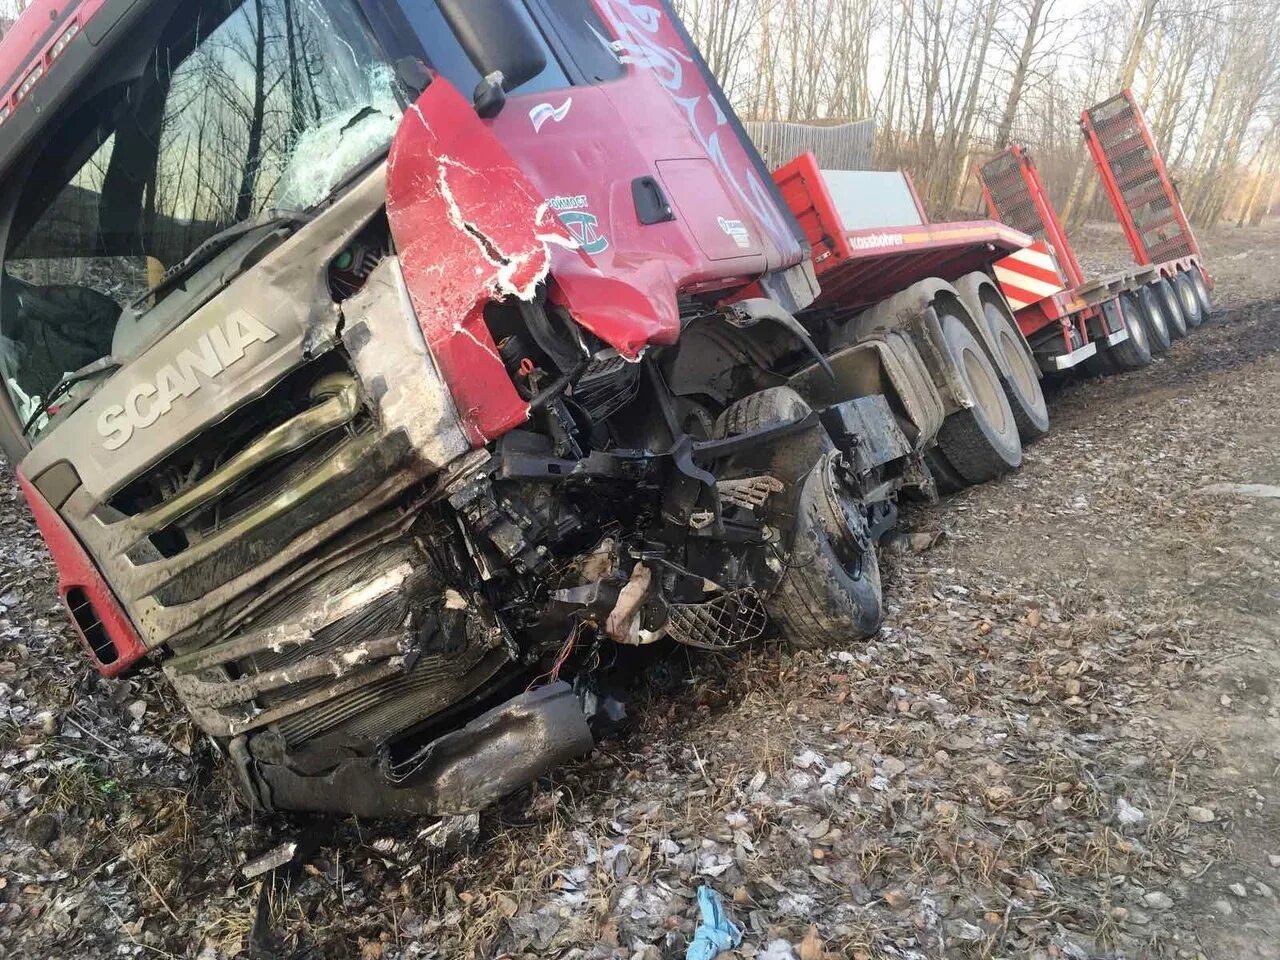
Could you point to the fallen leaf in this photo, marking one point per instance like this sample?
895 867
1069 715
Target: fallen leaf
812 946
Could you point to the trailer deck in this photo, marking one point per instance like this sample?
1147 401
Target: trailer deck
1066 325
859 263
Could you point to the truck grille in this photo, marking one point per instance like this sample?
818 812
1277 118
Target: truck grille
236 496
367 643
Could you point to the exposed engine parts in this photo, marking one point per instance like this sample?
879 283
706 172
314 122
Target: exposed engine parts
445 624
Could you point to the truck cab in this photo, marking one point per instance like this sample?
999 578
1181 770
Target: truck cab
379 370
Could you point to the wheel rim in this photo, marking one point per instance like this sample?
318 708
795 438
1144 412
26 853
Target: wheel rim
1010 347
1020 370
985 388
850 542
1202 293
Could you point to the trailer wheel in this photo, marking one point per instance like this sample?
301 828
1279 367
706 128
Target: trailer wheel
980 442
1202 293
1152 313
1185 287
1134 353
1014 362
830 592
1172 304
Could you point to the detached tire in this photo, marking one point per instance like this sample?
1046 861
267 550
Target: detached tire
830 592
1172 304
1157 323
1185 288
979 442
1134 353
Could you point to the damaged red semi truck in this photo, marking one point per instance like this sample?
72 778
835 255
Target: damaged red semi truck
380 370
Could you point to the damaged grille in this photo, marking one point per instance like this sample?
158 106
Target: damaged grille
263 449
366 644
236 496
726 621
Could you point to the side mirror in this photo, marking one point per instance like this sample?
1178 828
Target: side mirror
498 38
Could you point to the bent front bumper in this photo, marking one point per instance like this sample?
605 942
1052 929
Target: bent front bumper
500 751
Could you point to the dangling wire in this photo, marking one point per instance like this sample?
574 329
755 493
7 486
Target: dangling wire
552 675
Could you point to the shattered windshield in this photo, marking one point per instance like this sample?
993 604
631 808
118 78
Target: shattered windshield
244 107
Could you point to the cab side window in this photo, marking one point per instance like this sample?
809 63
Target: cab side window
585 38
448 57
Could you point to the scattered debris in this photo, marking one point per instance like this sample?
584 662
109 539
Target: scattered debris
1128 815
716 932
1264 491
271 860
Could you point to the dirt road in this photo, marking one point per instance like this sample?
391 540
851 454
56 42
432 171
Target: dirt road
1064 743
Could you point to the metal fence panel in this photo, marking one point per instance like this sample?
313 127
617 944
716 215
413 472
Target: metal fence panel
843 147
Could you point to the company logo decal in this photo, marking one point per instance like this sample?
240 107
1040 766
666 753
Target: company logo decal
213 352
543 112
877 240
737 230
583 225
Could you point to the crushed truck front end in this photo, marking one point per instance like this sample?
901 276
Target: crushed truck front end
377 369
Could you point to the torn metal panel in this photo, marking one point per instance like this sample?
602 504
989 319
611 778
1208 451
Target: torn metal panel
468 230
366 641
400 374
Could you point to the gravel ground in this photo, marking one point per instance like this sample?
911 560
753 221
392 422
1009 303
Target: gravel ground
1063 744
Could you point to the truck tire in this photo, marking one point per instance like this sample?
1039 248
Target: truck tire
1202 293
830 592
1172 304
1134 353
790 458
1152 313
1014 362
1185 287
944 474
979 442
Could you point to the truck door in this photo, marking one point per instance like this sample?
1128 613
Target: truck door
625 142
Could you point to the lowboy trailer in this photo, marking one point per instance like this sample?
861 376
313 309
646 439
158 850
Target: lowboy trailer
1117 321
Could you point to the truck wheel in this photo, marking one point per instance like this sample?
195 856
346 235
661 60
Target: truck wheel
1185 287
830 592
1014 363
1152 313
980 442
790 458
1169 299
1134 353
1022 385
945 477
1202 293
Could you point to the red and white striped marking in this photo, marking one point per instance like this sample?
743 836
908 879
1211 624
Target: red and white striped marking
1029 275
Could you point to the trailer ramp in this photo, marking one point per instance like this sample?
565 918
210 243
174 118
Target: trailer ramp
1138 185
